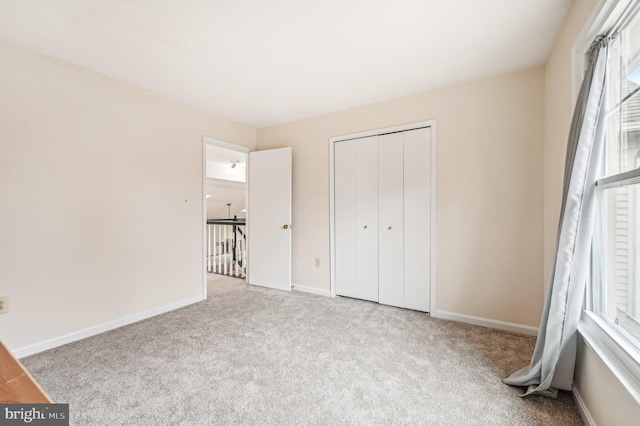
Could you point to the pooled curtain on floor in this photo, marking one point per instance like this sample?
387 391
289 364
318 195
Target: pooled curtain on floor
552 365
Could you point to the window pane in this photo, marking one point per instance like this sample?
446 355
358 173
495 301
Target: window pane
630 108
619 258
631 56
612 144
631 133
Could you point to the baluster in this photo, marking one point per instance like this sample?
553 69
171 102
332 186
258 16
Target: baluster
215 248
216 231
219 248
224 249
209 248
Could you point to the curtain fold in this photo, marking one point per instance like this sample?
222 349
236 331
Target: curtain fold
553 361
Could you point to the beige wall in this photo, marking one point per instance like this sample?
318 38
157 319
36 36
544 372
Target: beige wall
489 190
100 195
607 401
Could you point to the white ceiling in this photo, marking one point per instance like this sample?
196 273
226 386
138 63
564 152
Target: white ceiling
220 193
225 156
263 62
220 160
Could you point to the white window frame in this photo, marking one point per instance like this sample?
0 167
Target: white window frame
620 355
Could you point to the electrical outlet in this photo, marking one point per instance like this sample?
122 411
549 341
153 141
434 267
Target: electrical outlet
317 262
4 304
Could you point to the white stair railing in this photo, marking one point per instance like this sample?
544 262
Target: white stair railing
227 247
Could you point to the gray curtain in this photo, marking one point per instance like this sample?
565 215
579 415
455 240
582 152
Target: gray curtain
552 365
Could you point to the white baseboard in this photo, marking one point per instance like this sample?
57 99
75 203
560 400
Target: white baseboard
489 323
92 331
582 408
312 290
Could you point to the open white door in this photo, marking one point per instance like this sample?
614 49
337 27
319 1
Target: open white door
269 218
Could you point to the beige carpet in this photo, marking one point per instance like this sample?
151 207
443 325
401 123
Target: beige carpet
255 356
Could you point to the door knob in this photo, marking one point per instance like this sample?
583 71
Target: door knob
389 228
285 227
364 227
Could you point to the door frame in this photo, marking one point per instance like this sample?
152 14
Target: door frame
401 128
207 140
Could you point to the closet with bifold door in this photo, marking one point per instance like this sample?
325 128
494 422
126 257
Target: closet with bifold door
382 218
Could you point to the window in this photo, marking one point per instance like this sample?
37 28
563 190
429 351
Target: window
615 290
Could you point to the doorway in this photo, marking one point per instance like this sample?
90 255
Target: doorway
256 247
225 211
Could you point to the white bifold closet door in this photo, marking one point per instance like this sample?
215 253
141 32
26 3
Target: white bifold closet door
356 218
391 225
345 218
417 219
382 218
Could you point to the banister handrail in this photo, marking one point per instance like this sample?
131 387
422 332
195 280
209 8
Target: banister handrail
236 221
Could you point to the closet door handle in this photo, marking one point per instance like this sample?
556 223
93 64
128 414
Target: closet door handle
364 227
389 228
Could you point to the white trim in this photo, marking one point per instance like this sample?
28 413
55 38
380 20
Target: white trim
630 177
226 145
432 250
205 237
620 356
332 200
400 128
101 328
602 19
311 290
247 226
582 408
489 323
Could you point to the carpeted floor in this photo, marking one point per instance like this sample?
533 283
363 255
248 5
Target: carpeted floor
254 356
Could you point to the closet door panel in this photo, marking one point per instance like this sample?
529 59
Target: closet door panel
345 217
391 233
417 218
367 218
